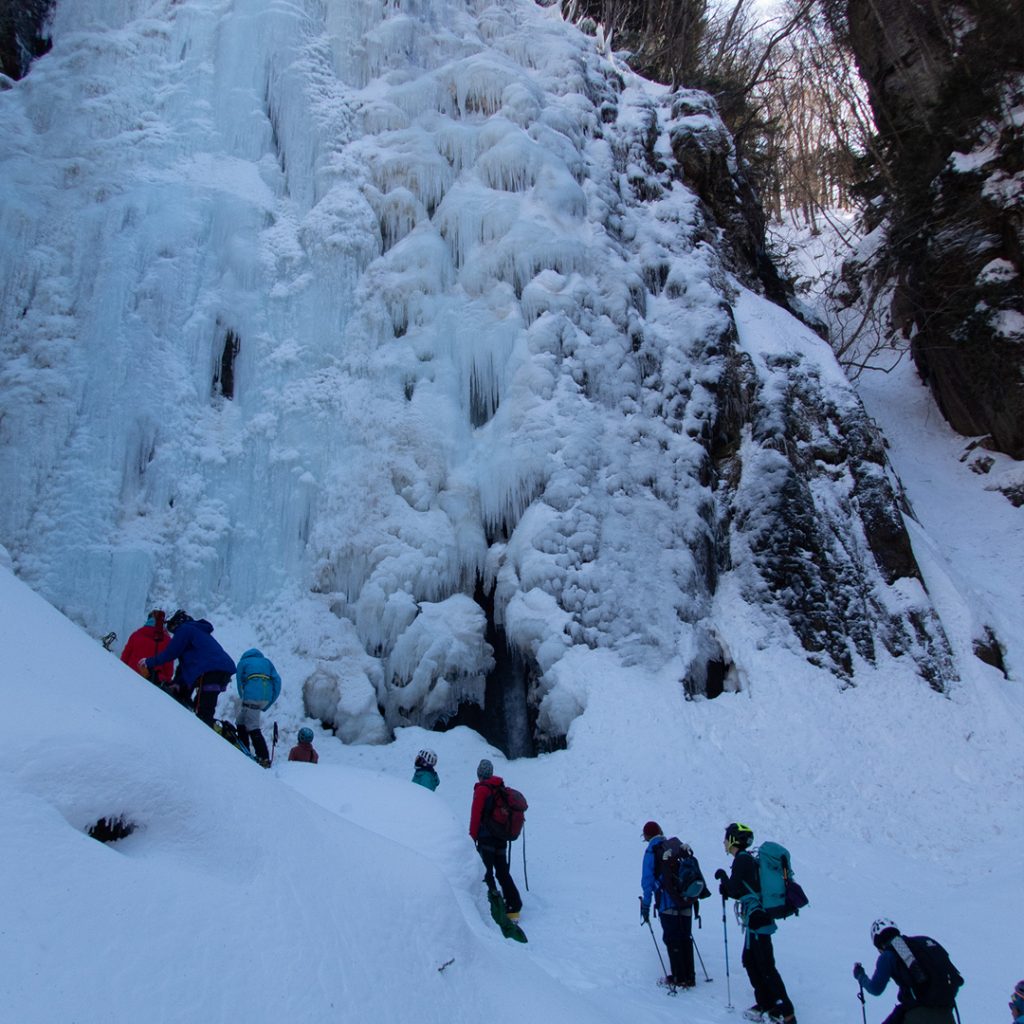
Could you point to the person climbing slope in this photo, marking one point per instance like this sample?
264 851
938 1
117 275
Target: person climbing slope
259 686
206 668
148 641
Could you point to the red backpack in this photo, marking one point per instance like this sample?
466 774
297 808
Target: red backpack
505 812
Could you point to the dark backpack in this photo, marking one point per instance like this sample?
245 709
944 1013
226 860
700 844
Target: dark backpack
679 874
505 812
925 968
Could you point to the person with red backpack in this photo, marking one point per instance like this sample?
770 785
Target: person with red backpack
146 642
491 838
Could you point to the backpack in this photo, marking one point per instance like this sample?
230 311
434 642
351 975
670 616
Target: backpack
504 812
781 896
929 973
679 874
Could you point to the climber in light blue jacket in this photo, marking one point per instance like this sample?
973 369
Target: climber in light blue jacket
259 686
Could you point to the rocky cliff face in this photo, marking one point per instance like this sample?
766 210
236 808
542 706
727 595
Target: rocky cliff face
946 84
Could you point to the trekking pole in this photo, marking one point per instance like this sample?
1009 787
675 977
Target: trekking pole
725 933
274 746
863 1009
696 949
526 880
657 949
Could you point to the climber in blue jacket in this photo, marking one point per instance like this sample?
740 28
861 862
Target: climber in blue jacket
205 667
259 686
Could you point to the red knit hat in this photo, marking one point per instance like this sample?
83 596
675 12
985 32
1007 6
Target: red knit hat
651 829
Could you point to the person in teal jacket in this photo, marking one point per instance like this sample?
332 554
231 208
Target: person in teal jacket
259 686
425 773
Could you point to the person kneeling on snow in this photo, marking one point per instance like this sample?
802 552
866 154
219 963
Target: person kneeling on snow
303 750
928 982
259 686
206 667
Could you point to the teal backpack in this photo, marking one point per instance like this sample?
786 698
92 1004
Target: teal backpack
781 896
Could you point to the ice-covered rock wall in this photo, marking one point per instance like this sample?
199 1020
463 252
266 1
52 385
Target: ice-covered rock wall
392 325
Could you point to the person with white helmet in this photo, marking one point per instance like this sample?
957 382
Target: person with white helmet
927 980
1017 1003
425 774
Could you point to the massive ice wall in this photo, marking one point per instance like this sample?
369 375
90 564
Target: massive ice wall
395 324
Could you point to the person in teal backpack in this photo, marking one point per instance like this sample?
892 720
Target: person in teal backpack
259 686
743 884
425 774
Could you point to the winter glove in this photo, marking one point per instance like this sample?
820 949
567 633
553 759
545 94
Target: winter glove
645 914
858 971
142 666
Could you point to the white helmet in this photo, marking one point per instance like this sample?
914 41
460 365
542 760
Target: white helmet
880 926
427 758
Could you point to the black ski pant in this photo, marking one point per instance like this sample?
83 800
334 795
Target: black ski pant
210 686
259 743
676 930
494 854
769 991
902 1014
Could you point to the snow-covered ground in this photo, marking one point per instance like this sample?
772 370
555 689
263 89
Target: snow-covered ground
342 891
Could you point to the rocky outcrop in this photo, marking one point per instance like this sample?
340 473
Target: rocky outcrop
23 34
946 84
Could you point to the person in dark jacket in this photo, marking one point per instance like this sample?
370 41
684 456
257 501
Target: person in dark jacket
425 774
303 750
493 849
676 922
206 668
896 961
1017 1003
744 885
150 639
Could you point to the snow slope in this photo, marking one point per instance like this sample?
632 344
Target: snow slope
342 890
